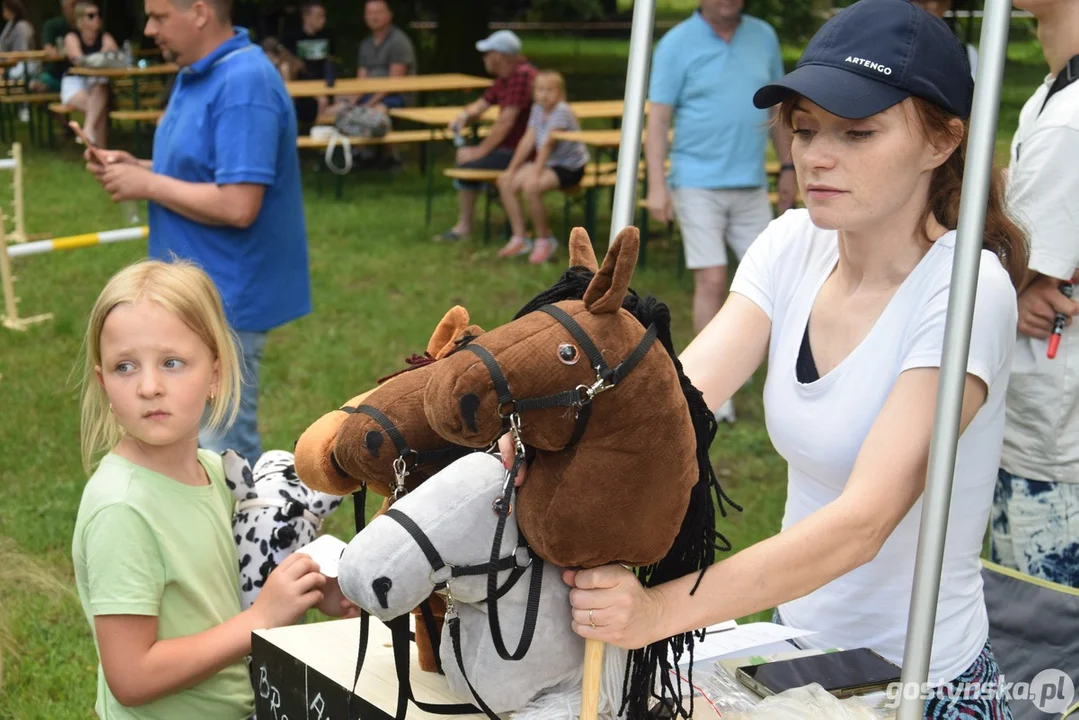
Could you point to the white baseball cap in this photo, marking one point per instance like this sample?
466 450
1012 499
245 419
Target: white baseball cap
501 41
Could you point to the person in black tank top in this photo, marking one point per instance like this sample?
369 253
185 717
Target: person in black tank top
89 94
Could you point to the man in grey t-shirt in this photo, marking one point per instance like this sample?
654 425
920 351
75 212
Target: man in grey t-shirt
387 52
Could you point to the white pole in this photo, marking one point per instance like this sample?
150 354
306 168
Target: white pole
75 242
968 247
629 151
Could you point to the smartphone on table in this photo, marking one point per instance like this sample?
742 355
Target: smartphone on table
843 673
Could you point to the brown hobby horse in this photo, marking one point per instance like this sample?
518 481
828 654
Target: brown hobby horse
591 383
382 440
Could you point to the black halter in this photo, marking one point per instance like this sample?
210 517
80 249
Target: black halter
442 575
510 410
579 397
407 459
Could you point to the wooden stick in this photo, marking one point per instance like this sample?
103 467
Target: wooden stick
593 672
7 280
20 219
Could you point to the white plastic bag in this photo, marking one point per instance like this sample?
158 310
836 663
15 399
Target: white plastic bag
811 702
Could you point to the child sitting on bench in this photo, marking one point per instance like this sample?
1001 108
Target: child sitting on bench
556 164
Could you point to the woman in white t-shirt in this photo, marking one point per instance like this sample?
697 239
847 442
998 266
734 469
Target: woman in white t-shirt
847 301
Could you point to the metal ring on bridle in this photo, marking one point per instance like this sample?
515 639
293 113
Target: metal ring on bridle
510 413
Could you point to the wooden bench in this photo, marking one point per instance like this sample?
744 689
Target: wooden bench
396 137
37 102
152 115
596 175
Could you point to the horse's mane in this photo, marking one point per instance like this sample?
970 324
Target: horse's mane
697 540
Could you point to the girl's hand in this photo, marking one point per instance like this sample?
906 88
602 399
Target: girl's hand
609 604
334 603
291 589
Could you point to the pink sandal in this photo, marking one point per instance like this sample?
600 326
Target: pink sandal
518 245
542 251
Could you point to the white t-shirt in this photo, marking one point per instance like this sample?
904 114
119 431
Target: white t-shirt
1041 441
819 428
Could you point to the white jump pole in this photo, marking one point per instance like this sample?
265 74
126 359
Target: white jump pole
11 317
953 368
625 195
74 242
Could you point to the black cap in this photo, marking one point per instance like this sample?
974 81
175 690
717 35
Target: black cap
874 54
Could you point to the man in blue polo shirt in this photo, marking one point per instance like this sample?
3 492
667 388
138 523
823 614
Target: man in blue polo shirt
704 73
224 184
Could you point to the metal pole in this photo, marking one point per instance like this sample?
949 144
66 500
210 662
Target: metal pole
629 151
953 369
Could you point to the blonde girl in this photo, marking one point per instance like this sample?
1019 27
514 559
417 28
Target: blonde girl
155 562
557 164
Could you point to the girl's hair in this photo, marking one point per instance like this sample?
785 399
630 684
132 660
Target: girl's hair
555 77
185 290
1001 235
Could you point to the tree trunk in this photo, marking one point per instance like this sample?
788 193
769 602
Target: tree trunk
458 32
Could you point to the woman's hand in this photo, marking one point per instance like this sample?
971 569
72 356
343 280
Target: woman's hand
609 604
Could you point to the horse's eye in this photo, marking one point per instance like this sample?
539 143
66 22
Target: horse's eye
567 353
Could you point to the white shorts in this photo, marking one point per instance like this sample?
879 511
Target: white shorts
72 85
711 220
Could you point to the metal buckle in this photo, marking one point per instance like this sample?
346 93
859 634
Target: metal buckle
400 472
528 556
292 509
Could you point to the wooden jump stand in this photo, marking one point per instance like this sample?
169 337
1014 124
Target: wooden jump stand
12 321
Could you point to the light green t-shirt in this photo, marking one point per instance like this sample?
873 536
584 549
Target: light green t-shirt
146 544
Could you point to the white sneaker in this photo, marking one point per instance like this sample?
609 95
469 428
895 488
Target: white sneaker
725 413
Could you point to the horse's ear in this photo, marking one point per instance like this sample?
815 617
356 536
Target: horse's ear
580 250
447 331
609 286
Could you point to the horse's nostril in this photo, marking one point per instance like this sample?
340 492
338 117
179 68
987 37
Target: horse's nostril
373 441
381 586
469 405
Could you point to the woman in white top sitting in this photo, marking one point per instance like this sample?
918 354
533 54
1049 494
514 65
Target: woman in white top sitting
847 301
89 94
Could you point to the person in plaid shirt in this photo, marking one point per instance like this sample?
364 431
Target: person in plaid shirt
512 93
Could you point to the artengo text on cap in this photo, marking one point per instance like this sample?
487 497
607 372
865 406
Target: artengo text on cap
884 69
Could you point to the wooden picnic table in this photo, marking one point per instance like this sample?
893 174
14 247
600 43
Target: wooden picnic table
17 56
133 72
588 109
406 84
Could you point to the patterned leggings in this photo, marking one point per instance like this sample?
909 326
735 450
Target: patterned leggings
948 702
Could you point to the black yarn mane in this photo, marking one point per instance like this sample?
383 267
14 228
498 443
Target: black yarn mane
695 546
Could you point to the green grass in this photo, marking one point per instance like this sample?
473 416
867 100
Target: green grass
379 287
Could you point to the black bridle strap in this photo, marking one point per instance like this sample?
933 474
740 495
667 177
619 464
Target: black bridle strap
595 357
437 563
501 386
613 377
401 657
535 582
428 616
380 417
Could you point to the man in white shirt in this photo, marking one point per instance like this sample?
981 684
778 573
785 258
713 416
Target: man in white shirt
1035 522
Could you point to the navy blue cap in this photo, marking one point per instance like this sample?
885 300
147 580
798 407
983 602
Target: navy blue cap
874 54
